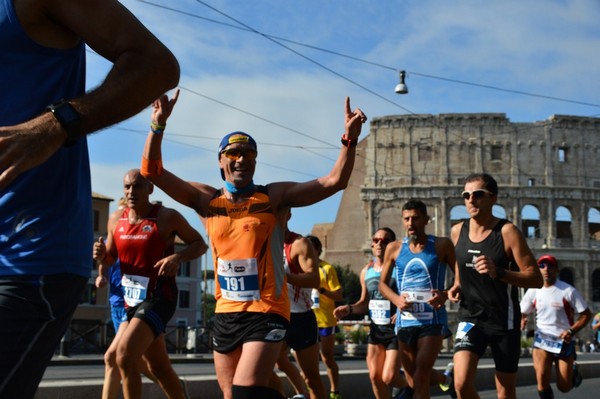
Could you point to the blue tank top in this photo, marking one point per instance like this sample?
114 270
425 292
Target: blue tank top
380 308
417 274
46 223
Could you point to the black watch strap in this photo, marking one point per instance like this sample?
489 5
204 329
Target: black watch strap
69 119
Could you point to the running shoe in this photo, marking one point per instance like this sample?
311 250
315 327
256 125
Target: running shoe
403 393
577 377
449 387
335 395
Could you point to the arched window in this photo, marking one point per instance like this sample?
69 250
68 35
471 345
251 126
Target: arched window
596 285
499 211
594 224
563 223
458 214
566 275
530 221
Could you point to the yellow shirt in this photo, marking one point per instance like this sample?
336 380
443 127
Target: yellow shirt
330 282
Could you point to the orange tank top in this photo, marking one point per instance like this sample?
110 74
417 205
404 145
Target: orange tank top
247 250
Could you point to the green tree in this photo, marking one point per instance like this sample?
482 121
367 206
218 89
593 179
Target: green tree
350 282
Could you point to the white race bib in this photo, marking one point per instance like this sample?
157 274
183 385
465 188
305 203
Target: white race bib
238 279
548 343
380 311
135 289
417 296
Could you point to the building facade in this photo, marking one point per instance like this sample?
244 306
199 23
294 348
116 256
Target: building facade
549 185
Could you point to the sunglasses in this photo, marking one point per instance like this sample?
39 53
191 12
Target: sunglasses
382 241
236 153
476 194
546 265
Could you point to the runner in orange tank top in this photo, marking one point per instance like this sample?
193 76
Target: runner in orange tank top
246 224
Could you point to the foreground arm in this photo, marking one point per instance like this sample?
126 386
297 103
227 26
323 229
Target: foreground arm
142 69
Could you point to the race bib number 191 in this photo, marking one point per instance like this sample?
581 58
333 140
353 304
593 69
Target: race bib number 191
238 279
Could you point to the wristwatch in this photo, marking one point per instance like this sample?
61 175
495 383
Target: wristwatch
69 118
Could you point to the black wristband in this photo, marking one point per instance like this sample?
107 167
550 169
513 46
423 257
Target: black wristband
500 272
349 142
571 331
69 119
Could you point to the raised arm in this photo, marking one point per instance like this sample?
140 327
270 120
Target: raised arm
308 193
143 68
194 195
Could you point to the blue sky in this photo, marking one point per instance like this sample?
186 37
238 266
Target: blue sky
273 68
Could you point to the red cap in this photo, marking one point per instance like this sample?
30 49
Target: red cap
548 259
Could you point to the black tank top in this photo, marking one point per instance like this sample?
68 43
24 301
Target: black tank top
486 302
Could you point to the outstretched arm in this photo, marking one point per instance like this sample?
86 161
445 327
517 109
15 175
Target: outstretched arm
142 69
307 193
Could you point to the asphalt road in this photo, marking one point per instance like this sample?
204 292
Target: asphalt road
90 371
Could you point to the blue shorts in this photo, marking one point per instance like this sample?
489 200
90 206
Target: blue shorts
118 315
327 331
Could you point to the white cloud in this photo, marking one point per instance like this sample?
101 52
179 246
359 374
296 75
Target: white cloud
538 46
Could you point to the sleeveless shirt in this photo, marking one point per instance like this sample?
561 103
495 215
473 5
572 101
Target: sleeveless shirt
300 301
418 274
380 308
247 244
486 302
46 224
139 247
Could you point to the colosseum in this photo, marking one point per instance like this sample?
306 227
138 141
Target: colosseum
549 185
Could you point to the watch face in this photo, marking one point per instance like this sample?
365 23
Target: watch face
68 112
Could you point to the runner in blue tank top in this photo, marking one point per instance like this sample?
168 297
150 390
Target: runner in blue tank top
382 352
420 261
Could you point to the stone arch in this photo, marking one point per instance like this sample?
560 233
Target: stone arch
530 221
596 285
458 213
566 275
593 219
563 219
499 211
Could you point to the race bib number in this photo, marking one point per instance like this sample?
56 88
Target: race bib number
239 279
463 329
135 289
548 343
417 296
420 311
380 311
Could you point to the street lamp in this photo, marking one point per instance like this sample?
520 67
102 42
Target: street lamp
401 88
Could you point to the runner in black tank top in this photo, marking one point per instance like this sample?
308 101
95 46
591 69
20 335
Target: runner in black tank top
493 259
